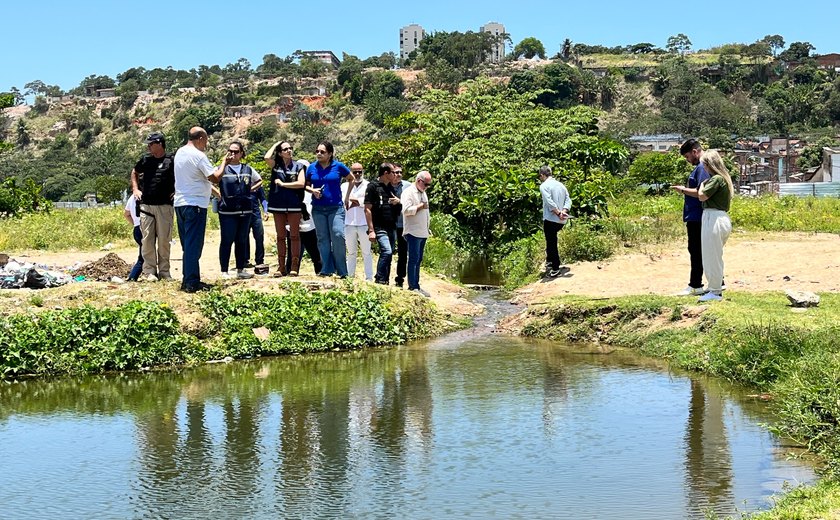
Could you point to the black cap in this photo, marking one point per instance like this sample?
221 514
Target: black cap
155 137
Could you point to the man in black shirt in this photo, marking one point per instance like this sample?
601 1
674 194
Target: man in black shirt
381 217
153 183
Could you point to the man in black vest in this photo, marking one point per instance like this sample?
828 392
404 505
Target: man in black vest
381 217
153 184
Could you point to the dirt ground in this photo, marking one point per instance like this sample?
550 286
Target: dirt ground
451 297
754 262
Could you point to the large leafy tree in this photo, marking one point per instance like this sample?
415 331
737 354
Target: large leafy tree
529 48
484 147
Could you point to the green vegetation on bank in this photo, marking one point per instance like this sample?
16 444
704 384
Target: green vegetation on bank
140 335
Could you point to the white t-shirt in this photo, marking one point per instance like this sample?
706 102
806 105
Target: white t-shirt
192 168
131 207
356 215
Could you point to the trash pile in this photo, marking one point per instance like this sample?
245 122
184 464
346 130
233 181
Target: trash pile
16 275
104 270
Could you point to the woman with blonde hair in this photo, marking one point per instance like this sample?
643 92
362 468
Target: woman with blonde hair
716 195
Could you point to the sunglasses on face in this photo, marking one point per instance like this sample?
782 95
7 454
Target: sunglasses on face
320 151
426 184
288 149
234 152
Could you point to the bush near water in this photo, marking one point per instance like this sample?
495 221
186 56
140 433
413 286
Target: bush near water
139 335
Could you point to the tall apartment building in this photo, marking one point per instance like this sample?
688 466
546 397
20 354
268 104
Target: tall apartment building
497 54
410 37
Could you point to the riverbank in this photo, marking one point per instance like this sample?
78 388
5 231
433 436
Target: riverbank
790 356
92 327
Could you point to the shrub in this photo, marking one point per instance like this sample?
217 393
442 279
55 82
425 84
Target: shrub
89 340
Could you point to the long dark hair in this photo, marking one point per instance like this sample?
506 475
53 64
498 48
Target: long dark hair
278 155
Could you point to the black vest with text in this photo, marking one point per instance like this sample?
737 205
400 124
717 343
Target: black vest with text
236 191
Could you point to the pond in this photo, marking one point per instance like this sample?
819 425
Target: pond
471 425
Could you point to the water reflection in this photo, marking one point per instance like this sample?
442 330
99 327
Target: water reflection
486 426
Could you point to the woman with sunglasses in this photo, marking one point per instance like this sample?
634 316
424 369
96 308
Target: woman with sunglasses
285 200
323 181
237 183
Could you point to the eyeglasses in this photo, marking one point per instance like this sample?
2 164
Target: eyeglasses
397 172
234 152
287 149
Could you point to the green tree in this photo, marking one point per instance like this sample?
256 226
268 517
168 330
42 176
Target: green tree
528 48
22 139
484 147
797 51
678 44
659 170
775 41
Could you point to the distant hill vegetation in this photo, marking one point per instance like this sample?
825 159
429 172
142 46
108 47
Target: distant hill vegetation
87 139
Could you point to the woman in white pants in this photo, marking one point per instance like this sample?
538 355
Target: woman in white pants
716 195
355 224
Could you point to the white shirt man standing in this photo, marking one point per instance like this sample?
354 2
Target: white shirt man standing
556 205
355 223
193 175
415 212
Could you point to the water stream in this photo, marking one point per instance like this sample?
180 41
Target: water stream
470 425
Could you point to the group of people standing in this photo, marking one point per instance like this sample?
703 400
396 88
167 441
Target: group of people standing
311 211
708 197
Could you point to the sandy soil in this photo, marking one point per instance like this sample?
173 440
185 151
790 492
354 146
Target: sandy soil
445 294
754 263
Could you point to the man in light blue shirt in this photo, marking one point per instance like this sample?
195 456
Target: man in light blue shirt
556 206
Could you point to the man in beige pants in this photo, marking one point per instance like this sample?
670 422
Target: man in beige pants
153 183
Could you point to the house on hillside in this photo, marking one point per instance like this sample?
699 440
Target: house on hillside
656 142
829 62
326 57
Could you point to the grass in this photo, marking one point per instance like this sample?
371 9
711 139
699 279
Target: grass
753 339
72 229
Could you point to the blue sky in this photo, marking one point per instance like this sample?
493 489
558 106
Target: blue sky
61 42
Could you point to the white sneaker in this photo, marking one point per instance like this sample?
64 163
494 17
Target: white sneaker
710 297
691 291
148 278
227 276
242 274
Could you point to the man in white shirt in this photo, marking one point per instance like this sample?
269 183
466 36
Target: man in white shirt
556 205
415 212
355 223
193 175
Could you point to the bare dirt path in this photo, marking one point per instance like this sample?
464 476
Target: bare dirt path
755 262
447 295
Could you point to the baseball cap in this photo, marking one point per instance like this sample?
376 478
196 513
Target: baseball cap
155 137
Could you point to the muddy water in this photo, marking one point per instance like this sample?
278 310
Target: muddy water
471 425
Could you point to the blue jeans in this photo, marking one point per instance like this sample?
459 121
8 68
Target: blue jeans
259 237
329 226
235 230
387 239
192 223
415 257
138 266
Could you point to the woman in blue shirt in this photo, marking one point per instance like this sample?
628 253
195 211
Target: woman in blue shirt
323 181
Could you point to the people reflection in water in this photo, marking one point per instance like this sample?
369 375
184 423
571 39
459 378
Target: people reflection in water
555 388
708 455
